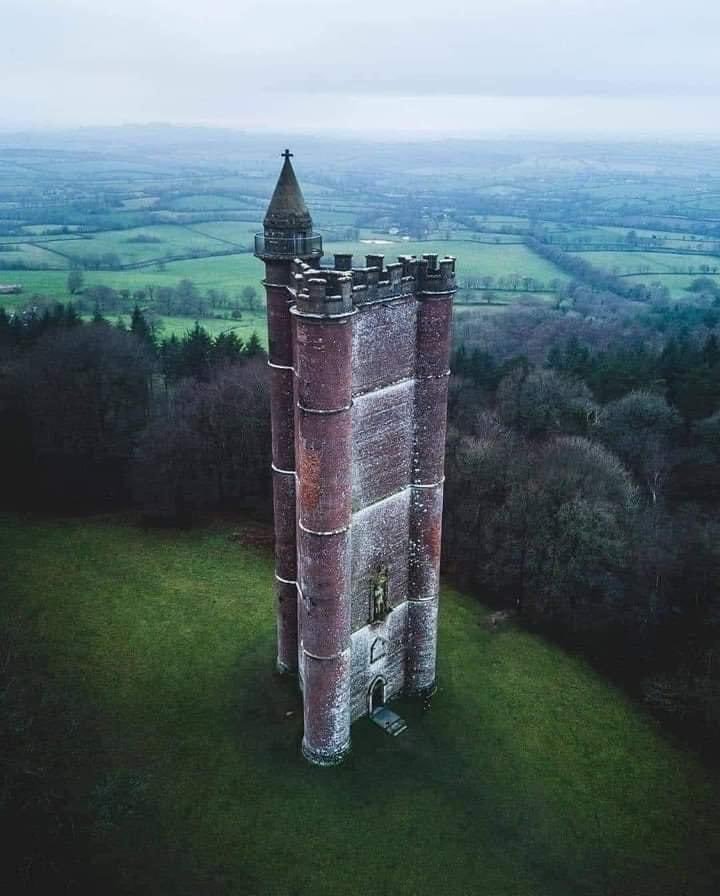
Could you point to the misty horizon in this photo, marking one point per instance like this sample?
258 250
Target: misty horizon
520 67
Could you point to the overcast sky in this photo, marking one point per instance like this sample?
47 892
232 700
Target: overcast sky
425 66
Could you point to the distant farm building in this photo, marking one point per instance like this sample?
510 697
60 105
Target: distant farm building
10 289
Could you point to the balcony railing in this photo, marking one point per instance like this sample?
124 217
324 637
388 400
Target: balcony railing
296 246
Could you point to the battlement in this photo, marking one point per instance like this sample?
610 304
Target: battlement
321 290
435 274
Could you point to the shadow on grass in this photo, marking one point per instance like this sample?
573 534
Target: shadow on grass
185 774
447 824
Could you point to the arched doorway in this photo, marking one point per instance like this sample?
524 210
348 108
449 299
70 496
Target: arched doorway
376 695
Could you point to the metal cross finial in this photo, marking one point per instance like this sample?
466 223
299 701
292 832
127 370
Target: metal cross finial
287 154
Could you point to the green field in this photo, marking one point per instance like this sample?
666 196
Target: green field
233 272
30 256
167 239
671 237
165 203
206 202
677 284
489 220
251 322
229 272
474 259
39 230
239 233
177 748
650 262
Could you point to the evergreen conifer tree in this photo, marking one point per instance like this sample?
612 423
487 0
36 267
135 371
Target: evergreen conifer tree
253 347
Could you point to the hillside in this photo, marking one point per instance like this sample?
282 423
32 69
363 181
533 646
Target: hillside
148 731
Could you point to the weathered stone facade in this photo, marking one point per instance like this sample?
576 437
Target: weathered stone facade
359 361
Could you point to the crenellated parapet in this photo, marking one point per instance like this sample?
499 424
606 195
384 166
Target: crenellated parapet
435 274
320 290
335 290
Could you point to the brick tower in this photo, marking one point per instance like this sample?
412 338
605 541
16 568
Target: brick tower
359 362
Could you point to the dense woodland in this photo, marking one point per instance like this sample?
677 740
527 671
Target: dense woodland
100 415
583 486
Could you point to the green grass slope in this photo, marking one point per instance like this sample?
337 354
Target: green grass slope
529 775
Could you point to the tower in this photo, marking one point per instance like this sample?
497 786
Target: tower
359 360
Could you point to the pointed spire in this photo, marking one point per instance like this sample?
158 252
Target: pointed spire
287 209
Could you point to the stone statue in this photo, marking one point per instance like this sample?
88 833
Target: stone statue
380 607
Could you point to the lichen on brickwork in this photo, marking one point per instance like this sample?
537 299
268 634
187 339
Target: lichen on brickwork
382 442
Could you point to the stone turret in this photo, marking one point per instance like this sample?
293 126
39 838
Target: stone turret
287 235
288 227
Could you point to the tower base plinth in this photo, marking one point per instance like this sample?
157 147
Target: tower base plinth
323 758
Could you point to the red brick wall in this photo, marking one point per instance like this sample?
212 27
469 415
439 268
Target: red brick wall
362 419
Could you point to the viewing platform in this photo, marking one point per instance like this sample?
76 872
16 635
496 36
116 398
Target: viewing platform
285 246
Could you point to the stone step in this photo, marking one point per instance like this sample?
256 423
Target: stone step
397 727
390 722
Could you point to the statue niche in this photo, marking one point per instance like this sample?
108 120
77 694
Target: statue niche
379 606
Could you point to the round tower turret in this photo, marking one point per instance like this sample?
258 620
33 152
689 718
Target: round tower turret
287 235
288 227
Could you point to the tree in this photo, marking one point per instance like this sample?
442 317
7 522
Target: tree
188 298
196 353
479 469
539 402
103 297
75 281
707 432
140 328
254 348
227 349
209 447
86 396
565 525
640 428
171 358
250 298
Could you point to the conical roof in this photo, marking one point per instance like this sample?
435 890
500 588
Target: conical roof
287 209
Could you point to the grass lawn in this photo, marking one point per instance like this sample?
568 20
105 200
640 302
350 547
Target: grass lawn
179 747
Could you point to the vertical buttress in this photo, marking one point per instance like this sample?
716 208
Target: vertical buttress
435 293
280 357
323 365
